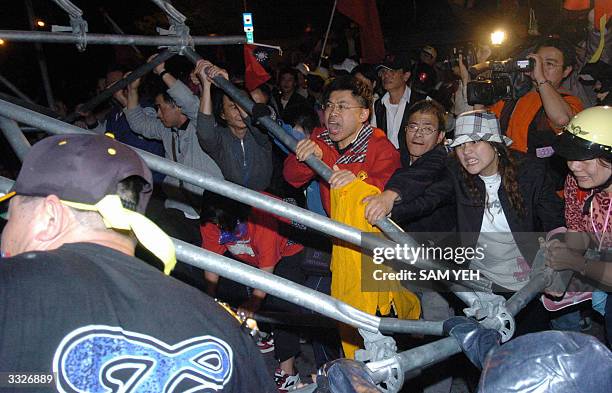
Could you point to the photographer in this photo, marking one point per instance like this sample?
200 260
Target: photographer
533 121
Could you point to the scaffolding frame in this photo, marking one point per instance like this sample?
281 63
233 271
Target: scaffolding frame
390 368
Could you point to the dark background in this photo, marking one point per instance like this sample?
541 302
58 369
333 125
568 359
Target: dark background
406 25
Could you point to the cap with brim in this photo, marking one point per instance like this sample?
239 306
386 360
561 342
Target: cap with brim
81 168
394 64
84 172
573 148
478 125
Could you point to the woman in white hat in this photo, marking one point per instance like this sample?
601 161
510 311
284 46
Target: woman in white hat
502 199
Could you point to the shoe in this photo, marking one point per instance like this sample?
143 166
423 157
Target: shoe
286 382
266 345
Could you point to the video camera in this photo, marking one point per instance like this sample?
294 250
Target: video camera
498 86
468 53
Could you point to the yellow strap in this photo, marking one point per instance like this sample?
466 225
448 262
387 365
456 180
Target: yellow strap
148 234
602 39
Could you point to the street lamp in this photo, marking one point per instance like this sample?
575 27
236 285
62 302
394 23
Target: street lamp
498 37
40 23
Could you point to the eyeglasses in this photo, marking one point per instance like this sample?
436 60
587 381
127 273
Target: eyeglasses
330 107
550 65
426 130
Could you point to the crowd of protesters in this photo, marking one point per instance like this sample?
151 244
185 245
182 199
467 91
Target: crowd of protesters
402 142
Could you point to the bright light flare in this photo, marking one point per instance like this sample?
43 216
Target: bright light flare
40 23
498 37
1 41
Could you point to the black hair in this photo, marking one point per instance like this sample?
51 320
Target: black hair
358 89
568 51
166 97
288 70
129 190
217 104
367 70
303 116
430 106
223 212
315 83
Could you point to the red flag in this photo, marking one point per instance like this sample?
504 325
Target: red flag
254 73
365 14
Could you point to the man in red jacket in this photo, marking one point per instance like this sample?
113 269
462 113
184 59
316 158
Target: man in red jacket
348 143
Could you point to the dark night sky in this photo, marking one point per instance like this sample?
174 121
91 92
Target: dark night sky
73 73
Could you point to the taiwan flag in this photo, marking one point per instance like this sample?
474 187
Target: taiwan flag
365 14
254 72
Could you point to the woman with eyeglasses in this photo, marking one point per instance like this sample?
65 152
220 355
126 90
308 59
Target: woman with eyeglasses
423 159
502 200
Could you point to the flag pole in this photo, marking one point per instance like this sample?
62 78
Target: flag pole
331 18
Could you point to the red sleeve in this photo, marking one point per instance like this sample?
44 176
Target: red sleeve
265 239
573 205
296 173
210 238
383 163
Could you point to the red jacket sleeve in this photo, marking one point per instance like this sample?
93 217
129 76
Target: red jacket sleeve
210 238
296 173
382 164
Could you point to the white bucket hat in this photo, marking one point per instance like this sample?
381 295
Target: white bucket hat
478 125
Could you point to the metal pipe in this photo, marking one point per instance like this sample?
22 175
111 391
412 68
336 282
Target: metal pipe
15 90
276 286
519 300
230 190
42 63
414 359
33 107
114 39
69 8
319 167
331 19
121 84
15 137
118 30
170 11
394 325
283 288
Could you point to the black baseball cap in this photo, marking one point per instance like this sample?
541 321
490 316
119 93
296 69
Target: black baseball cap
80 168
393 62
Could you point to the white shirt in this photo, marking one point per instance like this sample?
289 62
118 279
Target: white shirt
503 262
395 113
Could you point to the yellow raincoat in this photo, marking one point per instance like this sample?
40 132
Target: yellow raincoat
346 266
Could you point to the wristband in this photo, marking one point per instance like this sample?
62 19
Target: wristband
161 74
539 84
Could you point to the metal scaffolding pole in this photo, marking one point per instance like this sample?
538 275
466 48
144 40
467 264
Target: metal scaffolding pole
44 72
15 90
286 289
114 39
106 94
15 137
386 225
31 106
236 192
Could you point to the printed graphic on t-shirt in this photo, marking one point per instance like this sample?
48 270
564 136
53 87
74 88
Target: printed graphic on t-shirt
241 247
100 358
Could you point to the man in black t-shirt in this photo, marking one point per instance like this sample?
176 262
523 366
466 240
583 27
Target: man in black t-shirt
76 303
